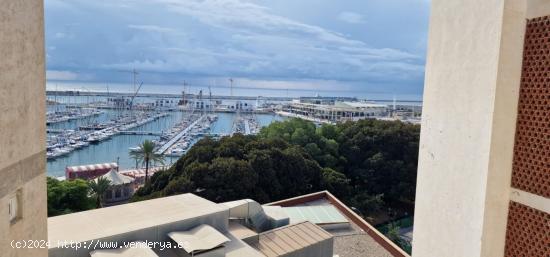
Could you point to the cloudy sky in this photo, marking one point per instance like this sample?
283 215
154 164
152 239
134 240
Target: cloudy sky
348 45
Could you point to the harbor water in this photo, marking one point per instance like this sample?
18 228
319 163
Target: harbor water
116 148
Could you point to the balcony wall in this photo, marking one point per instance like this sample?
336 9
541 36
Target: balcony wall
22 125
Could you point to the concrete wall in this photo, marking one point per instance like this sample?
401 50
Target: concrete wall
22 124
470 104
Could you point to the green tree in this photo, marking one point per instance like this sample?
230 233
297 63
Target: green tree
368 203
370 164
336 182
394 235
239 167
98 187
146 154
68 196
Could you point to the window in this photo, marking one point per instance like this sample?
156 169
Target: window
118 193
109 194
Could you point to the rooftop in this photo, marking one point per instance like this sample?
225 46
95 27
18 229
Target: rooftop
294 237
104 222
200 238
359 239
316 225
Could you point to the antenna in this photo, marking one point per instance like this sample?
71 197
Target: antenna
184 92
210 98
134 76
231 80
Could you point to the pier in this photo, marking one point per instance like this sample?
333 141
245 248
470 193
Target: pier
144 133
176 138
56 131
70 140
52 118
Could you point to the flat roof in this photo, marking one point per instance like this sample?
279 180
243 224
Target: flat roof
359 239
291 238
358 245
120 219
317 214
240 231
238 248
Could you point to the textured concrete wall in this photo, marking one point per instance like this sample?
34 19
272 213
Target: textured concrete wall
471 89
22 123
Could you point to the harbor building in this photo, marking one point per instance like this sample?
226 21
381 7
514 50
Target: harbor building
165 103
330 110
314 225
119 102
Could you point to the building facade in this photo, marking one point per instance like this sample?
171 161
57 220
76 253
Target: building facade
121 187
23 207
483 183
331 111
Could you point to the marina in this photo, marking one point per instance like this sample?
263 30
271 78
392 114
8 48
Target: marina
71 114
87 128
117 147
66 141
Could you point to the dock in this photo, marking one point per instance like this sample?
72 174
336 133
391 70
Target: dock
56 131
176 138
143 133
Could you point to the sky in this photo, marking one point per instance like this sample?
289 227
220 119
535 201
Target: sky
352 46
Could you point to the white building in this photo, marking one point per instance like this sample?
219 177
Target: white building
333 111
166 103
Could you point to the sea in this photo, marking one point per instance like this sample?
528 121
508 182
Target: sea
237 91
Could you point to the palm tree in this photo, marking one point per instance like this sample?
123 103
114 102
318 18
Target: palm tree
98 187
146 154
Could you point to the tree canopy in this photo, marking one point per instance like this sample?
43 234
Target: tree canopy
369 164
240 167
68 196
378 157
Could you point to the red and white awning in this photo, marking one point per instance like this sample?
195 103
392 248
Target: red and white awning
82 168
